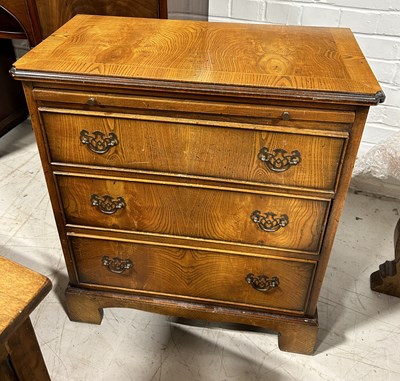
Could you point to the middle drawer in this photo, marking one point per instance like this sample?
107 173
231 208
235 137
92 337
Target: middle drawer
183 210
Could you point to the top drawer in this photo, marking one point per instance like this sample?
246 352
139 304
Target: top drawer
231 151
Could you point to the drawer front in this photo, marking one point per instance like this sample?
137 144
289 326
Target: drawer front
281 114
256 156
258 219
194 274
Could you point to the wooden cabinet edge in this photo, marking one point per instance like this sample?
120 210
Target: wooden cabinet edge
50 180
201 88
337 205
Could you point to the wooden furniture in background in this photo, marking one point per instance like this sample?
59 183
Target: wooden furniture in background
21 291
387 279
198 169
18 20
13 108
54 13
37 19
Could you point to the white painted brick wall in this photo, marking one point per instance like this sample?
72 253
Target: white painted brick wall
376 25
247 9
283 13
320 16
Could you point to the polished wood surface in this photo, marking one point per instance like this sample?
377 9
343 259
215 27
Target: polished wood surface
194 149
21 291
25 356
387 279
202 213
185 118
254 56
290 115
188 274
54 13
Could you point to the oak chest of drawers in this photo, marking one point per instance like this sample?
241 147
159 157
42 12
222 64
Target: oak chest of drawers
198 169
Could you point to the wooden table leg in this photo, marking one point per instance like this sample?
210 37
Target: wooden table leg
7 372
387 279
25 355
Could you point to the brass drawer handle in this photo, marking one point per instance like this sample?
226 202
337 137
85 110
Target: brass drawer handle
92 101
262 283
279 160
98 142
106 204
269 222
117 265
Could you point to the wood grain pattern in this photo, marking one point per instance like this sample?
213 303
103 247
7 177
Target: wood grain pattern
193 212
188 243
21 291
180 52
54 13
193 274
195 149
25 355
128 104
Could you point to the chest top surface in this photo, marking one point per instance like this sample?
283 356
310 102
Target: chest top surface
312 62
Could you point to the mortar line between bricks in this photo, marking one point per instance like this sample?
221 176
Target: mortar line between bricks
391 86
383 126
387 36
387 60
385 83
331 6
389 106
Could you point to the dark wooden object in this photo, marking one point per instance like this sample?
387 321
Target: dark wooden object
54 13
387 279
18 20
194 178
21 291
37 19
13 109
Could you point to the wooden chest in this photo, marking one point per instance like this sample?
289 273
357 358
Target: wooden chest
198 169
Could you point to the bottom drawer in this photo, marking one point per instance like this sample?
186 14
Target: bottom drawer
194 274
